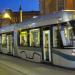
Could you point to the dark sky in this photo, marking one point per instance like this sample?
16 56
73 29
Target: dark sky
27 5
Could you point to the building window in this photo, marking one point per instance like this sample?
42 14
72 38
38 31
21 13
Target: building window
35 37
60 4
4 40
23 38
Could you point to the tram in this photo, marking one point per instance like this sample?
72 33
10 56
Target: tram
49 39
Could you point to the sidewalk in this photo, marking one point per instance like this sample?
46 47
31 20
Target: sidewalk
29 68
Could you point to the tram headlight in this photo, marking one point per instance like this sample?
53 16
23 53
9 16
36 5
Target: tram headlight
73 53
66 17
69 28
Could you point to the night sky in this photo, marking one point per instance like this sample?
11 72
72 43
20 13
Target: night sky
27 5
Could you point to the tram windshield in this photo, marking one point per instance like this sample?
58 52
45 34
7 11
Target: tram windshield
64 35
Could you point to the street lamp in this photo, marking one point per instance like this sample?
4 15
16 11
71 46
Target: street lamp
6 15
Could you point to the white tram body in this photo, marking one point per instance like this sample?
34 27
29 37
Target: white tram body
49 38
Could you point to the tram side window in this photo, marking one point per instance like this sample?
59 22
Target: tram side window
57 39
35 37
54 37
23 38
4 40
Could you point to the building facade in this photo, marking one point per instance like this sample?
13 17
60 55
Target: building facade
46 7
49 6
10 17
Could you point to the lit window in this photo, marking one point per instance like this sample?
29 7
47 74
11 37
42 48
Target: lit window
35 37
4 40
60 4
23 38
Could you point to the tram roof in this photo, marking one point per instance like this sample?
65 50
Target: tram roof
54 18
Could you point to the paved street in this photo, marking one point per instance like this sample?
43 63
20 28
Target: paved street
14 66
5 70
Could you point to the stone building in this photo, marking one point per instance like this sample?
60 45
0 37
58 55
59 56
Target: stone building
49 6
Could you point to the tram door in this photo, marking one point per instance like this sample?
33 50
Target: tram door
10 44
46 46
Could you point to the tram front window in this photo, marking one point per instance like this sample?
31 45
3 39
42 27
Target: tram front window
63 36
